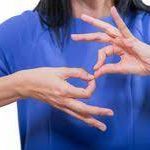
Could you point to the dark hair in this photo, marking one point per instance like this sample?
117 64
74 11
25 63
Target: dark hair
58 13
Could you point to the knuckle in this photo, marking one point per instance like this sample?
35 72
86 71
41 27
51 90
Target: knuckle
123 27
64 93
61 92
88 94
93 22
134 39
80 71
86 38
65 69
90 122
59 102
99 35
62 103
100 52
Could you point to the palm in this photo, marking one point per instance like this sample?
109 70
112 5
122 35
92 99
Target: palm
133 53
129 63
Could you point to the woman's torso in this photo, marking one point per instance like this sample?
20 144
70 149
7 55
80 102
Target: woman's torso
43 127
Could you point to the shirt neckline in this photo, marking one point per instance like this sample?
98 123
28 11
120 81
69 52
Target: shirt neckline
105 18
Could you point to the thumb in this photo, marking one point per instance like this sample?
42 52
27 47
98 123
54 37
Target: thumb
108 69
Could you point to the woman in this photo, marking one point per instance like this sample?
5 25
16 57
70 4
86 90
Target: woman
42 39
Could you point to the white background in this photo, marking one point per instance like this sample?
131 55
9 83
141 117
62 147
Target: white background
9 133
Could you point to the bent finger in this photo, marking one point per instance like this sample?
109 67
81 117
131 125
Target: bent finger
108 69
106 52
76 92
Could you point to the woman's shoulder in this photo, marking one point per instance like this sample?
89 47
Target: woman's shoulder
143 18
20 28
141 25
19 22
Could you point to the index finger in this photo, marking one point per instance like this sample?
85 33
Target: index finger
106 27
76 92
120 23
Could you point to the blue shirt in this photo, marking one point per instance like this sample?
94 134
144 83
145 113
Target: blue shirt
26 44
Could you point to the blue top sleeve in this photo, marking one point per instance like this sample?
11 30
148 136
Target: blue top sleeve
15 34
146 27
143 26
3 65
10 40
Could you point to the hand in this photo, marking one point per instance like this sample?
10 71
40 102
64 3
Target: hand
134 54
50 85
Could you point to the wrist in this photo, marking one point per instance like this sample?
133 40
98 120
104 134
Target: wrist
21 84
149 68
9 89
145 66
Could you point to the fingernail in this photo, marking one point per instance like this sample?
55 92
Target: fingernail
110 113
83 17
96 74
73 36
113 8
91 77
95 67
103 128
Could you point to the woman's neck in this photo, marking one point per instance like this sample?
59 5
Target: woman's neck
95 8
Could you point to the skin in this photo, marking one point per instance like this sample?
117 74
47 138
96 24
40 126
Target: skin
134 54
49 84
94 8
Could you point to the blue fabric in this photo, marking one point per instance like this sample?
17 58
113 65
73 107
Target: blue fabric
25 44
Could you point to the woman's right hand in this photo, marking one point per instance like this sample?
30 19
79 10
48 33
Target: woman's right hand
50 85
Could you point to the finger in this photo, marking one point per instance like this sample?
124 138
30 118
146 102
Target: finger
90 88
84 109
77 73
127 44
75 92
106 27
71 91
87 119
120 23
97 37
106 52
102 55
109 69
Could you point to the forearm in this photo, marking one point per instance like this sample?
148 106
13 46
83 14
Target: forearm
9 89
146 67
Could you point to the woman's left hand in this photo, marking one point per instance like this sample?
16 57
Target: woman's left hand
134 54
